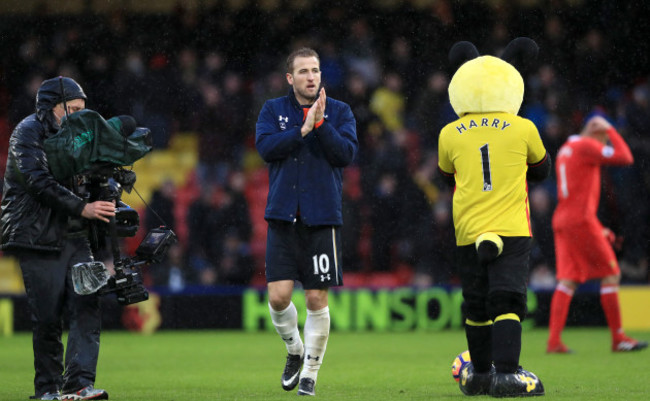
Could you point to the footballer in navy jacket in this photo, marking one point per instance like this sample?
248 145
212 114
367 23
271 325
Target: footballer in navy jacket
306 139
305 174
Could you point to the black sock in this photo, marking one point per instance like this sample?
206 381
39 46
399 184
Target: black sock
506 345
479 342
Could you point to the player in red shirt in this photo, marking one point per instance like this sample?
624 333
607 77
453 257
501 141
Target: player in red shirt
583 247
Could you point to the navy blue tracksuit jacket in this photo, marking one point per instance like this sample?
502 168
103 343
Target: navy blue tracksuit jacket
305 174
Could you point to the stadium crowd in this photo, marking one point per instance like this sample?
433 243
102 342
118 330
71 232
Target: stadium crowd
208 71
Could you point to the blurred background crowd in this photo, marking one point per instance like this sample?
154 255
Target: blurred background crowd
206 70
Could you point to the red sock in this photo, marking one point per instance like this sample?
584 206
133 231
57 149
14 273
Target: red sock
559 312
612 309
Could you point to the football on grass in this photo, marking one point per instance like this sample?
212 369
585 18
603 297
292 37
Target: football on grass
460 361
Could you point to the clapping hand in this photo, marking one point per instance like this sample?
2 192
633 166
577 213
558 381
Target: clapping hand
315 114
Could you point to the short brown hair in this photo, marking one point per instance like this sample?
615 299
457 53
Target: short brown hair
302 52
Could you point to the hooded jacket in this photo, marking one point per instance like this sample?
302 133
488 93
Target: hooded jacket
35 207
305 174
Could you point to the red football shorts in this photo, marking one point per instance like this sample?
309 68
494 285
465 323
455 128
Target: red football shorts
583 253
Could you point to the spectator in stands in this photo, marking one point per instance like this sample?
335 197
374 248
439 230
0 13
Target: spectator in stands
592 59
385 218
238 209
633 184
432 109
129 83
444 267
389 103
237 104
213 128
173 272
23 103
219 210
351 230
357 95
332 68
161 207
541 212
100 80
211 70
236 263
160 95
198 220
556 44
189 95
269 86
428 214
360 51
401 61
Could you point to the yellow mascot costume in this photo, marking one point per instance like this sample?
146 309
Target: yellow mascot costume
490 154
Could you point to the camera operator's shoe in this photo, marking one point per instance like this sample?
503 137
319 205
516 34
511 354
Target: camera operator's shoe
628 344
291 373
46 396
522 383
306 386
472 383
86 393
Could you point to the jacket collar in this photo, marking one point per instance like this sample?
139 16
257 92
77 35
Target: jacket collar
294 101
48 121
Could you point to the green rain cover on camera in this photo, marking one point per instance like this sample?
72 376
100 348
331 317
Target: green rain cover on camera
86 140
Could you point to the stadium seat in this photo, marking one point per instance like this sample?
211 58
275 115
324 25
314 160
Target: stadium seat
11 279
176 163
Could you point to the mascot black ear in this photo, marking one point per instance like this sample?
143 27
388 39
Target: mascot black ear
521 53
460 53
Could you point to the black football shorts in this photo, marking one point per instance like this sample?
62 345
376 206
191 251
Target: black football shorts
309 254
508 272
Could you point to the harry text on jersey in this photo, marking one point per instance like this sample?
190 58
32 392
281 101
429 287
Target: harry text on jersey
484 122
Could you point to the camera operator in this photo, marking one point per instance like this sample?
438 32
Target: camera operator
44 225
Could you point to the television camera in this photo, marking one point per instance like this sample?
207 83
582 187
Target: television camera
91 152
107 183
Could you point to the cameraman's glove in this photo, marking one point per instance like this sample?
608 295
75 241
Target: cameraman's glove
89 277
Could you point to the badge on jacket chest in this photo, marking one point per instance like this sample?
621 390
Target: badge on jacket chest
283 122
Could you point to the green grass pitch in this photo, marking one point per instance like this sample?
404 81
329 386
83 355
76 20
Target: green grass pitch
233 365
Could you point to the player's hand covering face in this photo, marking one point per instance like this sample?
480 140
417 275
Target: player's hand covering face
597 127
